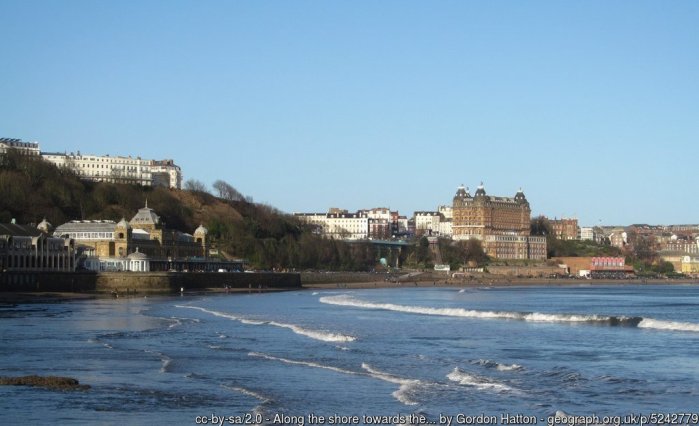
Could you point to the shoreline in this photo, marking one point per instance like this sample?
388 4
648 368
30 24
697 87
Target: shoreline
9 298
494 283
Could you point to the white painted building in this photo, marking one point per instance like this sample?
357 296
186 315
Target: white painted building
445 228
317 220
377 213
347 226
427 222
338 224
105 168
166 173
119 169
27 148
587 233
401 224
447 211
135 262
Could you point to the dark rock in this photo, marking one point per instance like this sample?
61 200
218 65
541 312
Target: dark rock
48 382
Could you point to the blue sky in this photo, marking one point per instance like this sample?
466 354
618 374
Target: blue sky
591 107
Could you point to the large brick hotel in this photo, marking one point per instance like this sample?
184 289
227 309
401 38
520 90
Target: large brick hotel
501 223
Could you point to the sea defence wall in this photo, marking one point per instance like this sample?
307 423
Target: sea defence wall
142 282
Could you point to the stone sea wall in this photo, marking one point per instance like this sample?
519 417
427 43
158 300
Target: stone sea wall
141 282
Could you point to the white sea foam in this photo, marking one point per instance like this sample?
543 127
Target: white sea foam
106 345
257 412
496 365
511 367
481 383
247 392
463 290
313 334
668 325
252 322
344 300
175 322
315 293
305 363
165 362
406 385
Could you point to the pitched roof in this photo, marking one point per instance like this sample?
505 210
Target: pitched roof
19 230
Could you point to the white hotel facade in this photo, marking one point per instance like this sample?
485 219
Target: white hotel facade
105 168
119 169
339 225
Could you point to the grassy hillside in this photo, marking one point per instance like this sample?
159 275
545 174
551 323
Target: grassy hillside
32 189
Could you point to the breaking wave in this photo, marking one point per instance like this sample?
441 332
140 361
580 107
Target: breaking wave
313 334
615 321
165 361
668 325
259 410
305 363
481 383
406 386
247 392
496 365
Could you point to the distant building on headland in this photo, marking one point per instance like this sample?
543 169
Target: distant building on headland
26 148
377 224
105 168
690 266
502 224
427 223
118 169
566 229
31 249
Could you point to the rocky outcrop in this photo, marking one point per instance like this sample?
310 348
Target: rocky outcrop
47 382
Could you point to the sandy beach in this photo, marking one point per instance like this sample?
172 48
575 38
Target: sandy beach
353 281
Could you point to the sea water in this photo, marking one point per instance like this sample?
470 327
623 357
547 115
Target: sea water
515 355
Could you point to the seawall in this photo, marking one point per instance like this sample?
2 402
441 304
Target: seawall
142 282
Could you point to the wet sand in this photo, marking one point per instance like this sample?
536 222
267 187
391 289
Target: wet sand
12 298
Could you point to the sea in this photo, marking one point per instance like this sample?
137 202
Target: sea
569 354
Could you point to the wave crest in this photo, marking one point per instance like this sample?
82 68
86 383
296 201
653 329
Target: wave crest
324 336
407 386
481 383
615 321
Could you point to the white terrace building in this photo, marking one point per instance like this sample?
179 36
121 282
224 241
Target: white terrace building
27 148
427 222
120 169
338 224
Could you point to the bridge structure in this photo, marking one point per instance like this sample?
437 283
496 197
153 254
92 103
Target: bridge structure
393 248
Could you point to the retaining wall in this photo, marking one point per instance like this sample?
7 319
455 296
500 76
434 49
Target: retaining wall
141 282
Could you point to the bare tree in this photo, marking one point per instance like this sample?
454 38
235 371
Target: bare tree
227 191
540 225
195 186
